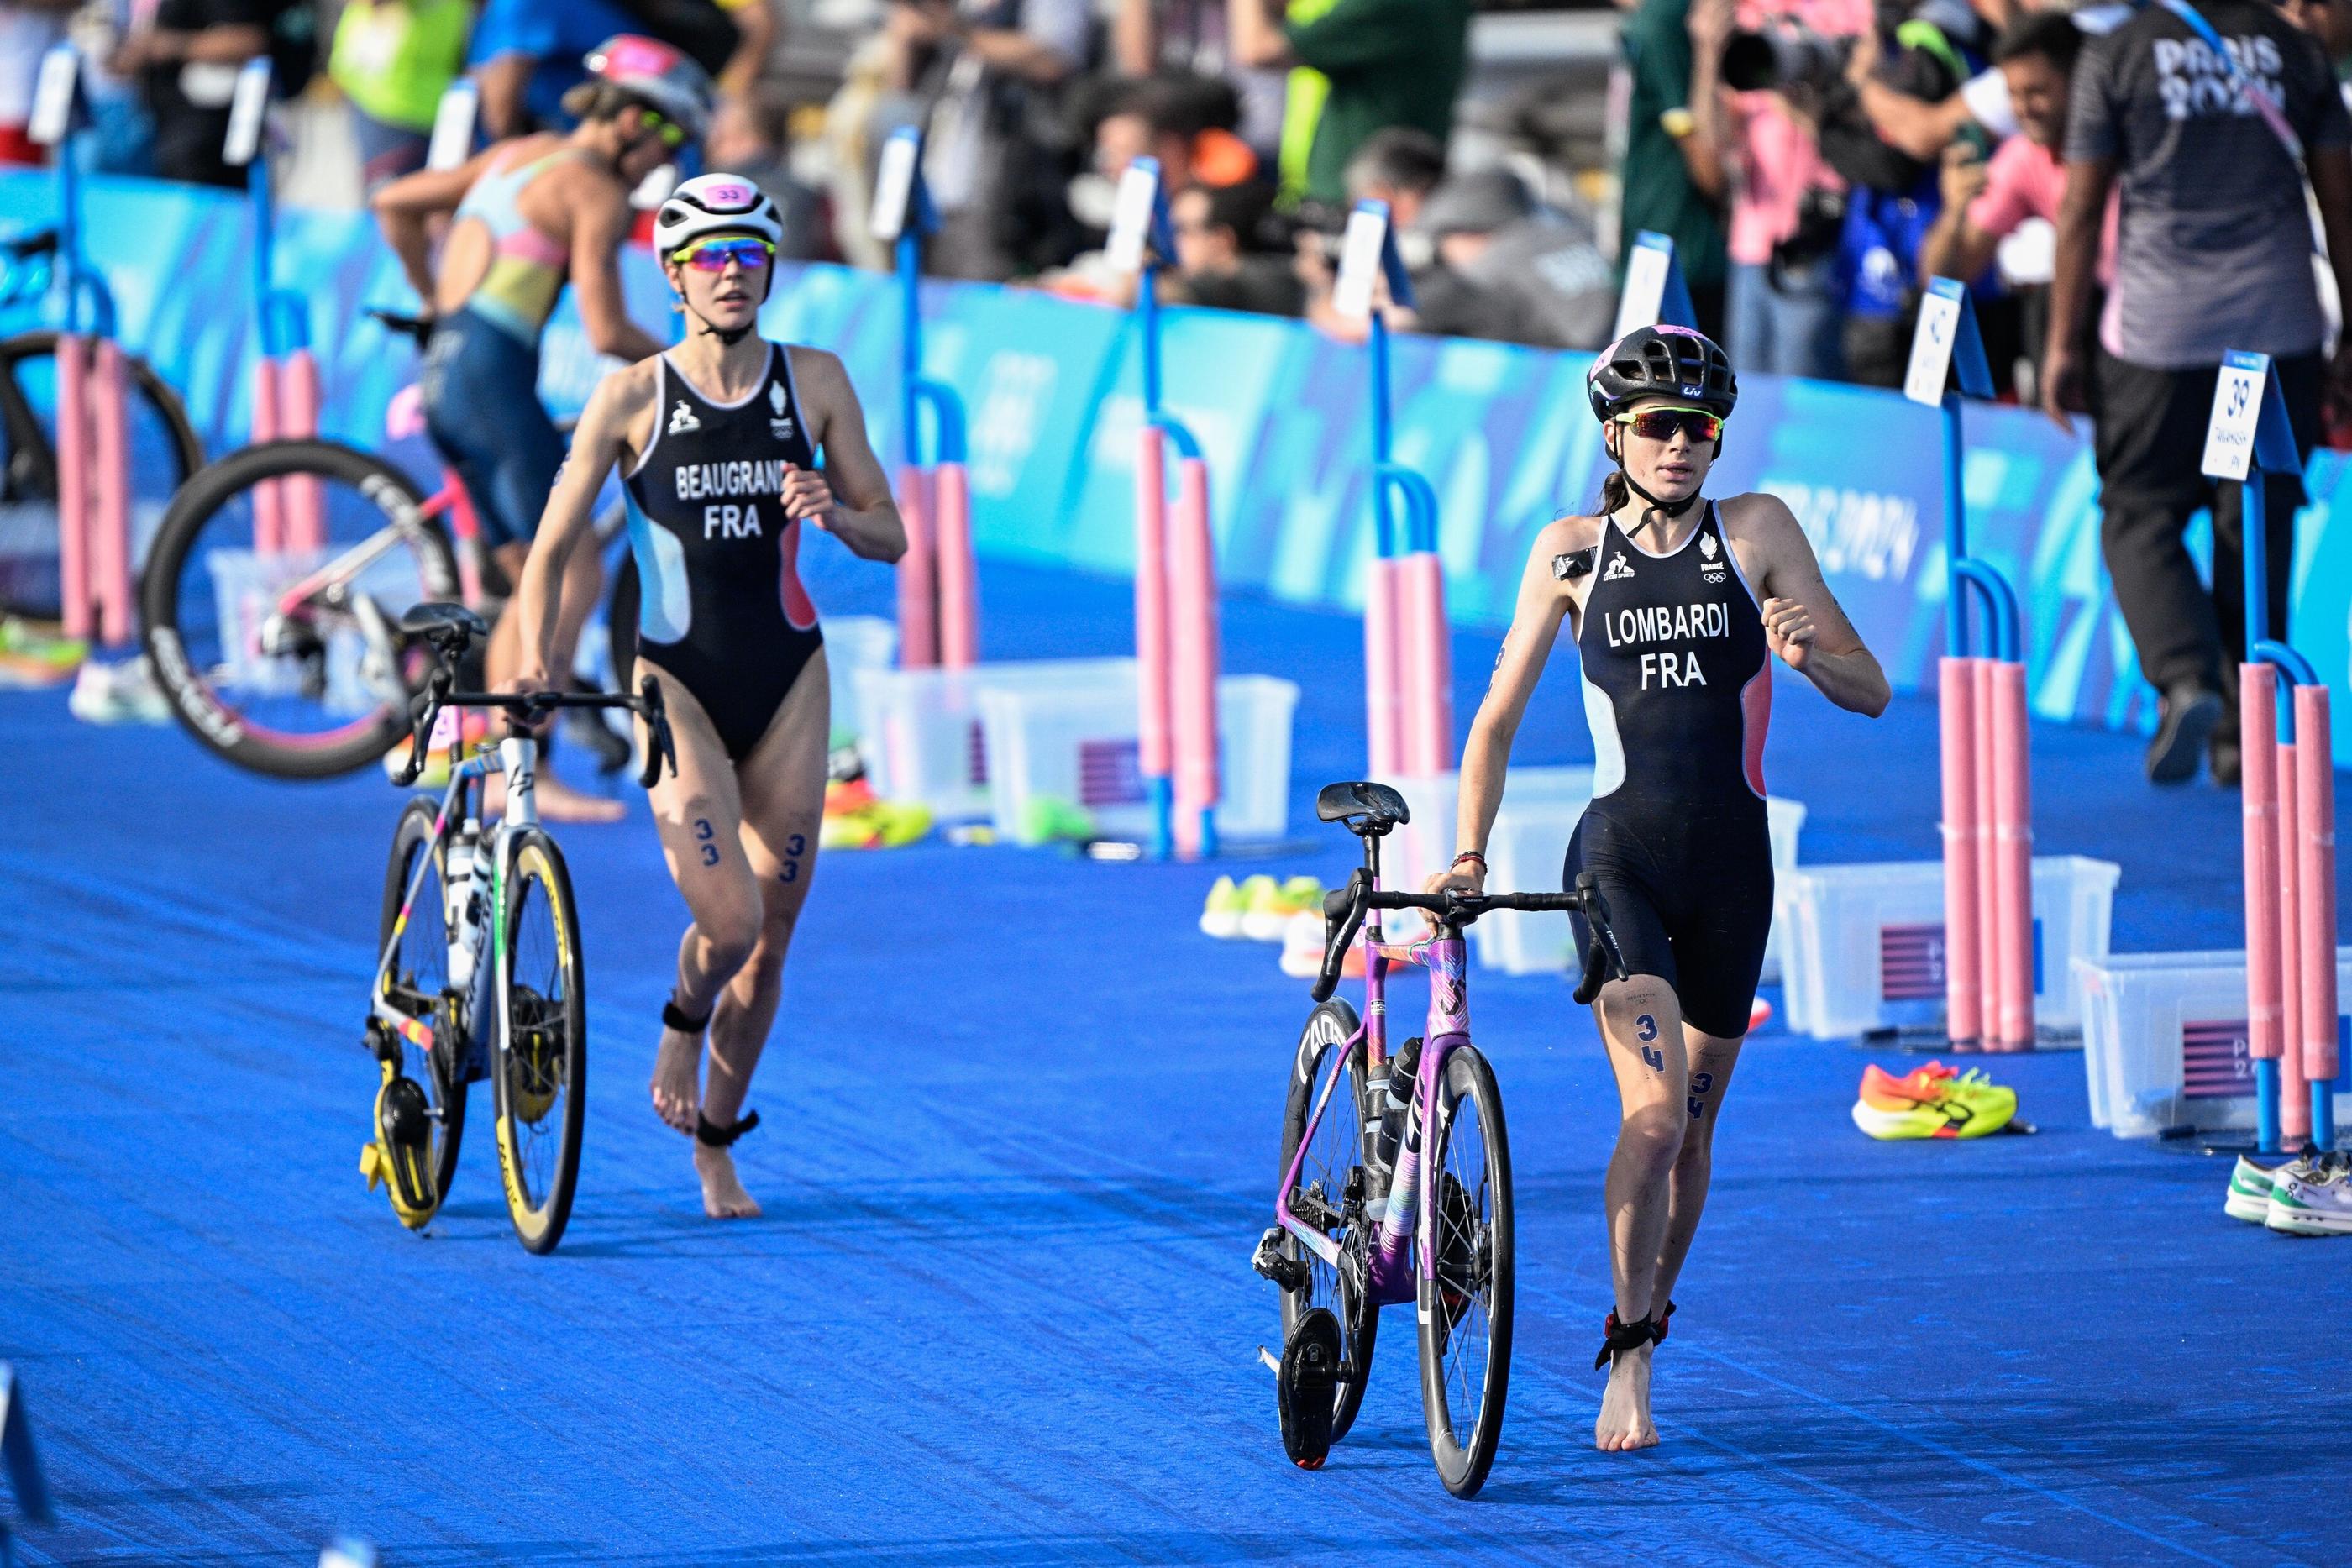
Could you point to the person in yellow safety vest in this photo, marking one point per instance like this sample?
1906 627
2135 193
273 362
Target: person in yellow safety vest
393 59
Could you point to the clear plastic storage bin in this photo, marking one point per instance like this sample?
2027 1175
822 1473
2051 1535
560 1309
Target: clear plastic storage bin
920 729
1865 943
854 643
2163 1041
1077 743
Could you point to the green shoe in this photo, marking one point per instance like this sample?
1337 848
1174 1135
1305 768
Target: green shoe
2250 1192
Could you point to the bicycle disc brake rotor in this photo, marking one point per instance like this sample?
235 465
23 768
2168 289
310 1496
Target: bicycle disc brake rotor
539 1059
1461 1251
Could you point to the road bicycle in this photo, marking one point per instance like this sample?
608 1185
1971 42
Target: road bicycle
1397 1187
442 1012
289 660
164 446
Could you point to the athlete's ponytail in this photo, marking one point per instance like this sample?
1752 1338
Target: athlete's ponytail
1614 493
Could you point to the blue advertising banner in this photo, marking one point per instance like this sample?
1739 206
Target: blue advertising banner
1053 393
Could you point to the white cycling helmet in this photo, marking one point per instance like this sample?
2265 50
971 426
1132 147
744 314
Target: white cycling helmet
715 204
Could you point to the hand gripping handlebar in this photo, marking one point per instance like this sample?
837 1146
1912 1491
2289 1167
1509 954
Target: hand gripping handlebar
1344 907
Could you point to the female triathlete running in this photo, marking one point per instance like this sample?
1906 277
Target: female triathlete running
1675 609
717 440
526 213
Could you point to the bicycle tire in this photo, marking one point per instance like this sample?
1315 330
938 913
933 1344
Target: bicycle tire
219 727
1481 1267
28 459
1330 1028
539 1065
443 1072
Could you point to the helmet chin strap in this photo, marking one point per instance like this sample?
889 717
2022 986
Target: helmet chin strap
1659 511
728 335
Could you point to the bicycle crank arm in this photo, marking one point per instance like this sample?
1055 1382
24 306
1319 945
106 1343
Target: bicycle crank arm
1288 1272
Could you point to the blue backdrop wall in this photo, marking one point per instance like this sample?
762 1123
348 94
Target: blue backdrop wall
1052 391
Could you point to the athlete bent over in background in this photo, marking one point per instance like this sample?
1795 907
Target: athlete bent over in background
526 212
1674 608
717 441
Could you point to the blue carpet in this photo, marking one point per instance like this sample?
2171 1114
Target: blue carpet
1020 1137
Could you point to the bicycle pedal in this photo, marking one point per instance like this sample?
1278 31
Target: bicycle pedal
1306 1386
1268 1260
1271 1362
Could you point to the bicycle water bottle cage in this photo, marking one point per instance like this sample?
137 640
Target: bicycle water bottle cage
450 628
1368 811
1306 1388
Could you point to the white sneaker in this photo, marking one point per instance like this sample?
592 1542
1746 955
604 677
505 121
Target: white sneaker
2312 1196
2249 1191
118 693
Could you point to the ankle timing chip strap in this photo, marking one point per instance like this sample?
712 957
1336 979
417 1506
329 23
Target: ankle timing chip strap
677 1017
1622 1337
711 1134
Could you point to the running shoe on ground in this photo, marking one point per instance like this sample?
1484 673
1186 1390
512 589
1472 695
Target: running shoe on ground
1049 820
31 657
2312 1196
857 819
1932 1102
1268 914
2189 713
1229 905
119 694
1302 950
2249 1191
1760 1013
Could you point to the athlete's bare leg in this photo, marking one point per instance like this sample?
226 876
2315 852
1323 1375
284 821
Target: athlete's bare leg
782 785
584 581
699 812
1641 1025
1712 1057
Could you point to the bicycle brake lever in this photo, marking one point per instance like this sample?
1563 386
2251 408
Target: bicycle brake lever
1340 925
1601 963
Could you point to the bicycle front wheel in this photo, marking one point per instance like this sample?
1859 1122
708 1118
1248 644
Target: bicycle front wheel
1330 1195
541 1072
164 451
416 930
1465 1312
278 644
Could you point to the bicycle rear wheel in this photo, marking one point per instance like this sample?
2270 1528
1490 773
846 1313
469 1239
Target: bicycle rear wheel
417 931
540 1069
291 681
1465 1313
1329 1195
164 451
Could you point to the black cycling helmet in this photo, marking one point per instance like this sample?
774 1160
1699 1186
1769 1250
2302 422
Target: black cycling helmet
1662 362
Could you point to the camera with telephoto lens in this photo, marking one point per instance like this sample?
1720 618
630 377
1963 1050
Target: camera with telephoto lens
1784 54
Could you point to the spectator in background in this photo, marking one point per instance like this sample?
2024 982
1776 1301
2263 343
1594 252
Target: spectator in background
1149 38
1985 203
1507 270
731 39
1784 307
1389 63
1397 166
1671 178
752 137
527 54
995 158
187 59
1220 257
2213 252
393 59
28 28
1183 121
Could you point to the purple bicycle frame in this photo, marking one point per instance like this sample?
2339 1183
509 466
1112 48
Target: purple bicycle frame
1412 1184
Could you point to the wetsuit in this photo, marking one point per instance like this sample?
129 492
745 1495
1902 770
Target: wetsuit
723 613
480 381
1678 691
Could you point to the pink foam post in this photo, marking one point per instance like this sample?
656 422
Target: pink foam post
958 572
2012 822
2294 1098
73 482
2258 726
1988 859
110 549
1383 662
305 515
2315 794
1963 1002
269 495
1428 664
918 634
1154 734
1192 604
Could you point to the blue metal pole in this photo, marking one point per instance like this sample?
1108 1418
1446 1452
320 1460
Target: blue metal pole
1383 512
910 344
1147 316
1955 532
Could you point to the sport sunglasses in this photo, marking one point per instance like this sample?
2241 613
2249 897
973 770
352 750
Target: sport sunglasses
1661 424
672 135
713 255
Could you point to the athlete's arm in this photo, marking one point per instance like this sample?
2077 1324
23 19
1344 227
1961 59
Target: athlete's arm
406 205
596 446
598 227
851 498
1546 594
1804 626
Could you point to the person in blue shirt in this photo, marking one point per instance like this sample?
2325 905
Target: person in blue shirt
527 54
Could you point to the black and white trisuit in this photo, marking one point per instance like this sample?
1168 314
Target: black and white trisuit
1678 692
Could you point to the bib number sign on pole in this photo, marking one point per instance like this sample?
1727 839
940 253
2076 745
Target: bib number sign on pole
288 514
1655 294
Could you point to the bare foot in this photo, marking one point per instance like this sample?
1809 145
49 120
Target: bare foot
560 802
723 1197
677 1079
1624 1422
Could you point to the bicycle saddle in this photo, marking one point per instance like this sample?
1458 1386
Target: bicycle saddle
448 627
416 327
1368 808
